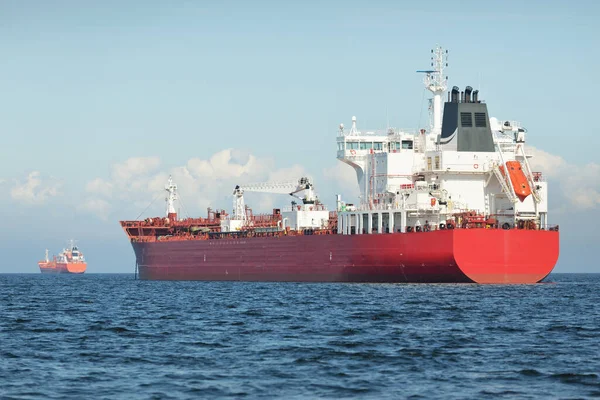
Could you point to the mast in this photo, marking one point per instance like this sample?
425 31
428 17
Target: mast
171 189
436 82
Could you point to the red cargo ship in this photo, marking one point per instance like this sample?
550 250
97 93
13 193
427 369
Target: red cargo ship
69 261
459 203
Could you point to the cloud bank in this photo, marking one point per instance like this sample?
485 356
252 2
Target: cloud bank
202 183
34 190
136 185
578 185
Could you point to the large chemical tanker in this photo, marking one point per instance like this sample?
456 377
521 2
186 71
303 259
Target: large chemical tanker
69 261
458 202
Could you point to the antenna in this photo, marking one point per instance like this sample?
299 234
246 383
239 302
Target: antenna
171 189
387 118
436 83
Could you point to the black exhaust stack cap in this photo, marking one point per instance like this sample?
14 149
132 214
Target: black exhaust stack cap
468 91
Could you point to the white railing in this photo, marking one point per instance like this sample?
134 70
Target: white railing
450 168
315 207
513 125
379 132
506 147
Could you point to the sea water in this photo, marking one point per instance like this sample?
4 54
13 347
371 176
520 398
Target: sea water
111 336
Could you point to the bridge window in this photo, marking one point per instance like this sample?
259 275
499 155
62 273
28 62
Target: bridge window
407 144
352 145
466 119
366 145
378 146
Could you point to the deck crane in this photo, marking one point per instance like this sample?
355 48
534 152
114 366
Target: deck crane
301 189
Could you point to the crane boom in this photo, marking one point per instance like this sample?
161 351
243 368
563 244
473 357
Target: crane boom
294 189
272 187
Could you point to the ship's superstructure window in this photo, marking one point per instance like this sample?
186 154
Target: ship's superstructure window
366 145
407 144
352 145
480 120
466 119
378 146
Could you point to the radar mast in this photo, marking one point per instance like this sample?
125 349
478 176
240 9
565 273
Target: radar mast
436 82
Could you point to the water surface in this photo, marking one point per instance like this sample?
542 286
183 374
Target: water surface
69 336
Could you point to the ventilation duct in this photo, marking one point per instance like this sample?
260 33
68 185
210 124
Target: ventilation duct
468 91
455 94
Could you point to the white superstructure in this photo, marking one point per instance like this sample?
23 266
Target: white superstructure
426 178
171 189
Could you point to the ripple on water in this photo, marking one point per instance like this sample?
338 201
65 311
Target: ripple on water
109 336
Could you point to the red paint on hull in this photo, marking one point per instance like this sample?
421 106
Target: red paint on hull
62 268
460 255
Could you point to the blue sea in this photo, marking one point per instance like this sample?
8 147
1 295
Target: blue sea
111 336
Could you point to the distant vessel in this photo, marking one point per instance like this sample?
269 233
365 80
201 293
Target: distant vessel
69 261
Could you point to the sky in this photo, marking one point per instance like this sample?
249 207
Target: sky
101 101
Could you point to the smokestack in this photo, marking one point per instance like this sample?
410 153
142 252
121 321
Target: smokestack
475 95
455 94
468 91
448 97
462 97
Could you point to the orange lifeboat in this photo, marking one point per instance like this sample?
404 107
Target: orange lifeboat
518 179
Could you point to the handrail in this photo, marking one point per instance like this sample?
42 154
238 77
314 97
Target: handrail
310 232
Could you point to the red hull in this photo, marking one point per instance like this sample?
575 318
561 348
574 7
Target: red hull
460 255
62 268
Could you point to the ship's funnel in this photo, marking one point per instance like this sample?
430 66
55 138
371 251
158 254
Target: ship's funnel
468 91
475 96
465 127
455 92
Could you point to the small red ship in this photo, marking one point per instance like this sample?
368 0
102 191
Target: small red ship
458 202
69 261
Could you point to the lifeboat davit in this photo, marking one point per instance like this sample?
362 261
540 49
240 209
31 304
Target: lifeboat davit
518 179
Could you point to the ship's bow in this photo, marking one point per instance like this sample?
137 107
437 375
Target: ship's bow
505 256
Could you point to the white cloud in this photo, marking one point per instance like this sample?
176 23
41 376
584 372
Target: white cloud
228 163
550 164
33 190
137 185
578 184
342 178
134 167
99 186
99 207
288 174
202 183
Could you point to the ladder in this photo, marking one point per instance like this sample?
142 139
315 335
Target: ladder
503 179
506 187
529 174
